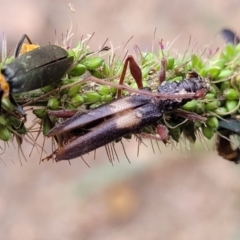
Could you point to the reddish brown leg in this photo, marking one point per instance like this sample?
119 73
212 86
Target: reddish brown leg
135 72
162 134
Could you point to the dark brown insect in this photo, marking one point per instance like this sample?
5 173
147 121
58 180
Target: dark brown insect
228 129
229 36
90 130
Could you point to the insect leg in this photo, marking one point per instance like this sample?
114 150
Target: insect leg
135 72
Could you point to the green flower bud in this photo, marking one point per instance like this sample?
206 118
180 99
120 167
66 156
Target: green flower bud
78 70
229 51
203 72
230 94
106 70
68 81
77 101
93 63
213 72
231 105
225 85
208 132
226 73
14 122
200 108
221 111
91 97
106 98
22 130
196 62
73 90
103 90
46 126
212 122
47 89
212 105
53 103
70 106
2 120
6 104
97 74
190 106
170 63
40 113
213 89
210 96
4 133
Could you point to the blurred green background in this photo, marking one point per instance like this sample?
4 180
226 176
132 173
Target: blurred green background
172 194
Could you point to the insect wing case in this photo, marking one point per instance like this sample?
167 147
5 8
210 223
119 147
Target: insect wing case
118 125
37 68
104 111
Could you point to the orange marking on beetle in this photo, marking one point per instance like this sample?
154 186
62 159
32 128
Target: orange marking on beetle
28 47
4 86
